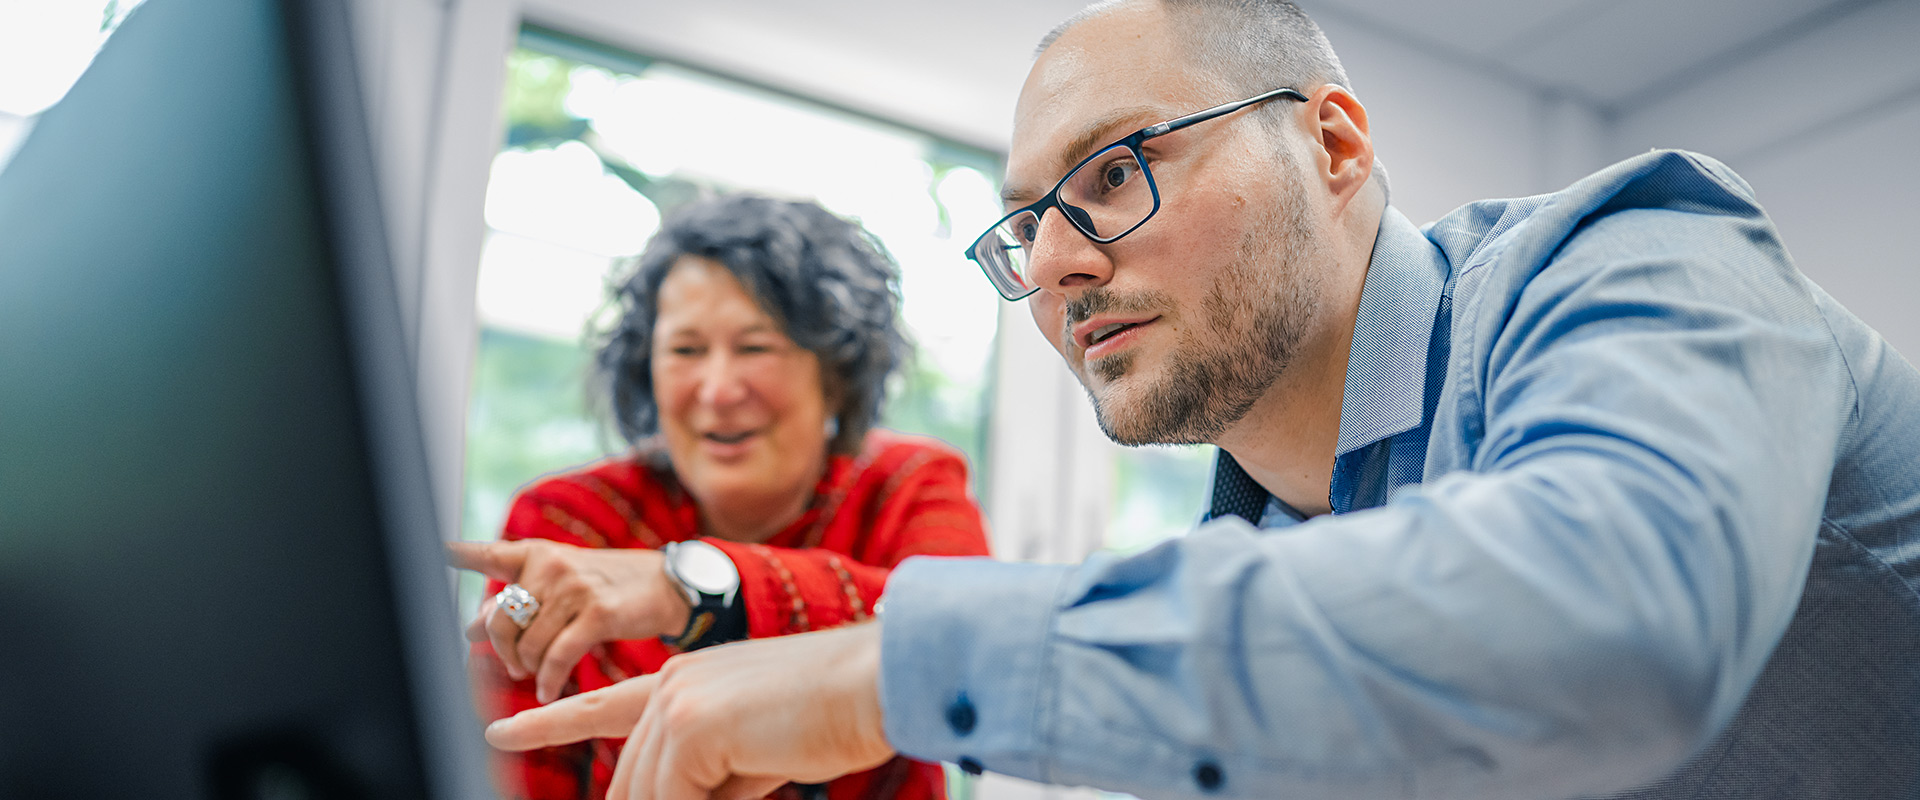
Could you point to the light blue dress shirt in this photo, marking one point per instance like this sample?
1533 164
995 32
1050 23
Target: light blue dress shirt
1623 503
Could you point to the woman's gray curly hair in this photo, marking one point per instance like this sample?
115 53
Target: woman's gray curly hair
828 284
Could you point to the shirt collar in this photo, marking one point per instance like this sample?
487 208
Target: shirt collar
1386 368
1392 332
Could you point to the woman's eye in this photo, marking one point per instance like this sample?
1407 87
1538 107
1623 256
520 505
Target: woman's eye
684 351
1029 232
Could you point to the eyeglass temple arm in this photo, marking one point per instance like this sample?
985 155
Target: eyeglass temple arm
1220 110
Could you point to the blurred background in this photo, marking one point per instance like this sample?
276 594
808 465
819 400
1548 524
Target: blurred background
527 146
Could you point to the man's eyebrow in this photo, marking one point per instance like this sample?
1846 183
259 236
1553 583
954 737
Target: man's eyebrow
1095 134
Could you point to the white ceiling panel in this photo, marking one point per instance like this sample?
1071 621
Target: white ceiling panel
1470 26
1604 52
1628 47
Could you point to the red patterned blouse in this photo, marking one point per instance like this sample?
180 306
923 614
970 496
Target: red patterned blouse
901 496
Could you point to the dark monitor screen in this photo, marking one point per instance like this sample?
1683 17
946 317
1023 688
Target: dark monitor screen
219 573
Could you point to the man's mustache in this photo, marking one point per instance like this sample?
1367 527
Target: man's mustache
1101 300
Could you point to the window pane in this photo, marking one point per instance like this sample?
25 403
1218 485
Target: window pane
1158 493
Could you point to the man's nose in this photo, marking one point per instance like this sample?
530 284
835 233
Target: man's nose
1063 259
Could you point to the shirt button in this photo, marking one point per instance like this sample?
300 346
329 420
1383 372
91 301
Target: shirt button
961 716
970 766
1208 775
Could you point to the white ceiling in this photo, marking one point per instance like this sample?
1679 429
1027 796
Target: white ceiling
955 68
1603 52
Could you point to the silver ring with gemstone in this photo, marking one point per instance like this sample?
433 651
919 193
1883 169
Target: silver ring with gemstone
518 603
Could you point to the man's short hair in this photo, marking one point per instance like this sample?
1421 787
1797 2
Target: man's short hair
1249 46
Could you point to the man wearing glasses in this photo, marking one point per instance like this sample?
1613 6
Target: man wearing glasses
1583 494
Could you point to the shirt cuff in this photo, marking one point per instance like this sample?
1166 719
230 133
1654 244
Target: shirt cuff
963 662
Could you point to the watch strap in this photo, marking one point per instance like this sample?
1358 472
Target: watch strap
712 618
708 626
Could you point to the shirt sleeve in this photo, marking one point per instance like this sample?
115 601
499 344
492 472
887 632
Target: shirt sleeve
793 590
1575 613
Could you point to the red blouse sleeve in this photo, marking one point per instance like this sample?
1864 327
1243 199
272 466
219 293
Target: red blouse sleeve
909 503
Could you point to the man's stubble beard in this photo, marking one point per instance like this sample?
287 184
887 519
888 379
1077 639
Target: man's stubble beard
1253 320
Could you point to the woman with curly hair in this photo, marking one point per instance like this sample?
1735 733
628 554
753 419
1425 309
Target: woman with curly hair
747 369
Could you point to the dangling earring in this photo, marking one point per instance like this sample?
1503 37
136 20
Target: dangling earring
833 427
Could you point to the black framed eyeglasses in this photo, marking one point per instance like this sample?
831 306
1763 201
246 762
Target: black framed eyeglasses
1106 196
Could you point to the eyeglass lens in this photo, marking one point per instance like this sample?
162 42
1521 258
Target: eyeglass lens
1105 198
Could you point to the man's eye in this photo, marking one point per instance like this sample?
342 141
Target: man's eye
1117 173
1029 232
684 351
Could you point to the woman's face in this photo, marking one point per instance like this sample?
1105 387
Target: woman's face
742 407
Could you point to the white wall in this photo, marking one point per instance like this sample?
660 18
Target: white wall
1451 133
1847 203
1826 127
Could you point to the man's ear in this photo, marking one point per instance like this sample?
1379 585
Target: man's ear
1343 150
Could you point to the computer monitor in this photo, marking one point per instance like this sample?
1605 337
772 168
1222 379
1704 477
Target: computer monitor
219 572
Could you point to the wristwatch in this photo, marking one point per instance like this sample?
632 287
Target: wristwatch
711 584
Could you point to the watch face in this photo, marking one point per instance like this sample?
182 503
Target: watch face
705 568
